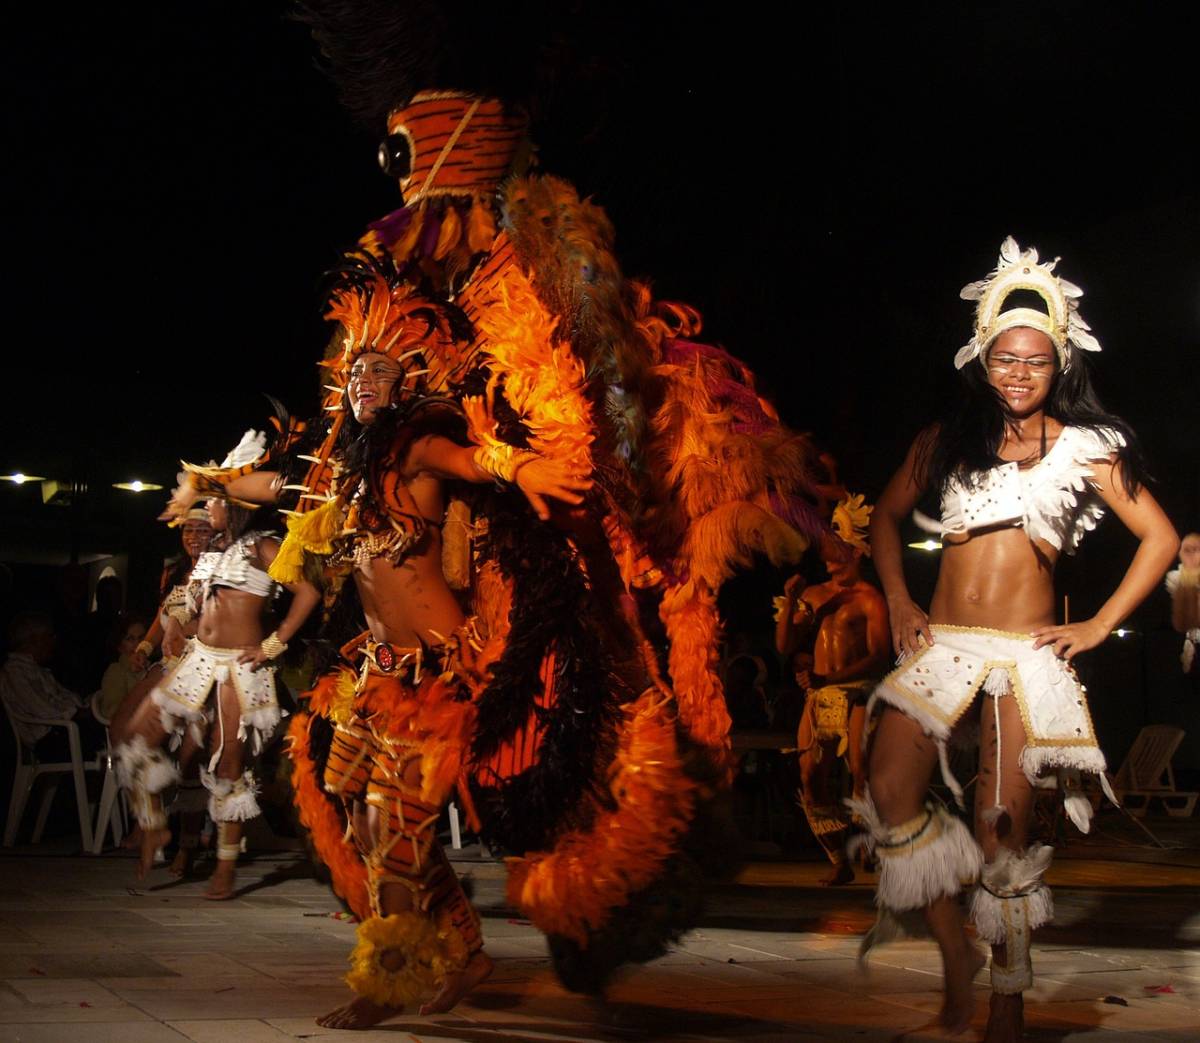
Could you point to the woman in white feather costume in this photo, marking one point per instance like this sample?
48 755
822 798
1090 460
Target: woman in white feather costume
1025 464
221 687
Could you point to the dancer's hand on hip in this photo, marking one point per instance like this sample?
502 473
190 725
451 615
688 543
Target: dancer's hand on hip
255 657
1070 639
910 627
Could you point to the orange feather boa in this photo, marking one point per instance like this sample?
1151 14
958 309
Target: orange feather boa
572 889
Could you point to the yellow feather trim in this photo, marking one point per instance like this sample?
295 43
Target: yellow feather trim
341 704
311 532
288 566
431 952
852 521
316 529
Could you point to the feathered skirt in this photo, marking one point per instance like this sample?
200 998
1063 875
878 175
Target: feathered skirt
937 686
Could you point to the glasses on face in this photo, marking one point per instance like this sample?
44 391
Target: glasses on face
1039 367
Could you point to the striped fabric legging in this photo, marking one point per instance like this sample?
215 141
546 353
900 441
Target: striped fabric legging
385 773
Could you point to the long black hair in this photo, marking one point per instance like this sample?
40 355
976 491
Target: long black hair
367 449
967 441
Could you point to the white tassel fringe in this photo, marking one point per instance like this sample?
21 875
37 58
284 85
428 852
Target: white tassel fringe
997 682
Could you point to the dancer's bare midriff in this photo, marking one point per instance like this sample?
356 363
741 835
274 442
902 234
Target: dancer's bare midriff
409 604
231 619
997 578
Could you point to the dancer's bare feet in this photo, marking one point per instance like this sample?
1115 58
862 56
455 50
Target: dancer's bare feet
152 840
221 884
134 840
841 873
181 864
456 986
1006 1019
359 1013
959 1004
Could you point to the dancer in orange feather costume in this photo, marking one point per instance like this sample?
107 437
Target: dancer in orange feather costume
587 735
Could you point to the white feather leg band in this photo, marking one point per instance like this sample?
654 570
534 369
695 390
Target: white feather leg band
144 773
1009 904
140 767
232 800
929 857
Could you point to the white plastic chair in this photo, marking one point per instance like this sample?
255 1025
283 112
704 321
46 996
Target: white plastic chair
111 811
28 771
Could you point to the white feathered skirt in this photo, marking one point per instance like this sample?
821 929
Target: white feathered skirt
937 686
182 695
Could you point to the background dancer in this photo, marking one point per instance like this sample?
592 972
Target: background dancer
846 619
223 682
172 627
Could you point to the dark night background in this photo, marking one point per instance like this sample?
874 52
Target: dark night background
819 182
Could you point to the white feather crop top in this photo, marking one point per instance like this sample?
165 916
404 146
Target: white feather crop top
236 567
1054 500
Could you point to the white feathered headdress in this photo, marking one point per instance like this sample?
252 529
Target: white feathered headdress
1019 269
249 449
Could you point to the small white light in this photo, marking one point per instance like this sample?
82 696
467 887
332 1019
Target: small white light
927 545
136 486
20 478
1121 632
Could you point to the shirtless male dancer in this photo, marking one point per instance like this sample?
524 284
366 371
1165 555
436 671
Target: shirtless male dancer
847 620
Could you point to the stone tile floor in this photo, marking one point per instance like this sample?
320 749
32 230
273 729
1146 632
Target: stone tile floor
87 954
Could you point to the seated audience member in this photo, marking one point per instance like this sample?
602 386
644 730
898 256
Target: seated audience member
28 688
122 674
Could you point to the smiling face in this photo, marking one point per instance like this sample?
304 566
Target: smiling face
372 381
196 535
1020 365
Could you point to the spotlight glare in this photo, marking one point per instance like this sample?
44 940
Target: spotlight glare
926 545
20 478
136 486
